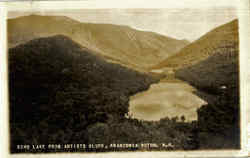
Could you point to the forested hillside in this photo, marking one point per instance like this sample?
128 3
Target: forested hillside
218 75
61 93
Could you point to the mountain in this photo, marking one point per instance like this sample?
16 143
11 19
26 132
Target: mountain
60 88
118 44
211 64
219 40
215 64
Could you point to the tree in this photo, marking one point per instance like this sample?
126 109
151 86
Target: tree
183 118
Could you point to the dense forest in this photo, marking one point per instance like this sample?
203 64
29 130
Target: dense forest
61 93
218 76
219 119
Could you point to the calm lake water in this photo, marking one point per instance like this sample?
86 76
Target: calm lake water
166 99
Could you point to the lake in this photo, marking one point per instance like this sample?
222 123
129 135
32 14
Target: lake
166 99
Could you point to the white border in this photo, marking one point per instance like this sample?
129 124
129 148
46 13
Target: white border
243 12
4 128
244 30
97 4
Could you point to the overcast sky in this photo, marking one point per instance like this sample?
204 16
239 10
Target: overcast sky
183 19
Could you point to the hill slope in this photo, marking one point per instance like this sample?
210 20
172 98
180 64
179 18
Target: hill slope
219 68
119 44
217 75
219 40
58 88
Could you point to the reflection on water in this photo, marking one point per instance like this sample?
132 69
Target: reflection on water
166 99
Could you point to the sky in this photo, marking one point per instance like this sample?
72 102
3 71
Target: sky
183 19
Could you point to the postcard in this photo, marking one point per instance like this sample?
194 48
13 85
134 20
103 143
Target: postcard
156 78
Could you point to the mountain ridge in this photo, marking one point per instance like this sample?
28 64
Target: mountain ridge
222 37
135 48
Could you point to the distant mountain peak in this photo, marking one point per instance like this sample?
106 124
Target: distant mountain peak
118 44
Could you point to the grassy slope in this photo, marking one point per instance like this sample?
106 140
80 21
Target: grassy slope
120 44
220 39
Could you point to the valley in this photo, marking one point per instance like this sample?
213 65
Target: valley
76 82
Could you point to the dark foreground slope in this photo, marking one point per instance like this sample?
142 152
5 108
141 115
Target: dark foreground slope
119 44
58 88
60 93
218 75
